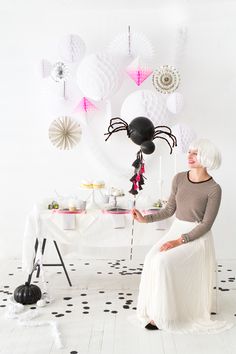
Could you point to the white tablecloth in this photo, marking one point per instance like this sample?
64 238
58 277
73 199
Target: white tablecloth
92 229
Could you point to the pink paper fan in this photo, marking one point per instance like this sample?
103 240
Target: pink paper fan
85 105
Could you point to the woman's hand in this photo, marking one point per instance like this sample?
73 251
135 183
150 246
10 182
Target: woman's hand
138 216
171 244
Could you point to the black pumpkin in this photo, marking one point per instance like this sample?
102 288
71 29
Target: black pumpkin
27 294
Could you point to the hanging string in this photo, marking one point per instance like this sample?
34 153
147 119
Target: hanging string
129 41
132 233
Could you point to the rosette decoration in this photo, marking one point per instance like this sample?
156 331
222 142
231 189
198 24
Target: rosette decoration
59 72
174 102
145 103
72 48
185 135
138 71
65 133
99 76
166 79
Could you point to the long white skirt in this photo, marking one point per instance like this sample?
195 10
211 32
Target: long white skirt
176 287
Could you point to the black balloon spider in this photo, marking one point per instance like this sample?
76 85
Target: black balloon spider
142 132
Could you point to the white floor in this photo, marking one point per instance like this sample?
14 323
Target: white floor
93 314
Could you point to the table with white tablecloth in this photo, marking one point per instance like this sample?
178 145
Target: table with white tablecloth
91 229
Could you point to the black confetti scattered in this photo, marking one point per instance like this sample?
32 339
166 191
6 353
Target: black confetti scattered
85 312
106 310
74 352
114 311
54 313
67 298
68 311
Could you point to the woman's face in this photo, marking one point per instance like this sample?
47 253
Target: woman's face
192 159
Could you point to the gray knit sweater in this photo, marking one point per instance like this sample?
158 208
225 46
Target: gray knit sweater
191 201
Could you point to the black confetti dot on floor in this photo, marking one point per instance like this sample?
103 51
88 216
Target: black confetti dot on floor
229 270
6 286
223 281
4 299
86 263
220 265
54 313
71 264
84 302
114 311
2 305
59 272
108 302
121 297
213 313
60 315
19 267
86 307
125 306
35 282
85 312
69 305
67 298
99 272
120 293
10 274
73 270
134 308
110 273
128 294
83 294
219 271
101 292
74 352
106 311
68 311
33 308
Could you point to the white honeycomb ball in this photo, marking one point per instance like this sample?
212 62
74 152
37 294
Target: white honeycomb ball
184 135
174 102
99 76
145 103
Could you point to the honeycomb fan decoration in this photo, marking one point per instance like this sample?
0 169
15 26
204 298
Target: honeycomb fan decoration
166 79
145 103
72 48
132 44
65 133
60 72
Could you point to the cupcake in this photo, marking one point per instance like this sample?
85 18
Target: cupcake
86 184
98 184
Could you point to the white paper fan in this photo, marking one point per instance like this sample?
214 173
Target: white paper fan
72 48
65 133
45 68
132 44
145 103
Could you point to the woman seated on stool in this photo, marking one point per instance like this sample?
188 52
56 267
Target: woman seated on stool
176 286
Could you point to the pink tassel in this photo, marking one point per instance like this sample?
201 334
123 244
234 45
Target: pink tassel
142 169
137 178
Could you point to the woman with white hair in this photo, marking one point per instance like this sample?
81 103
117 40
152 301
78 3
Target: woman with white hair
176 286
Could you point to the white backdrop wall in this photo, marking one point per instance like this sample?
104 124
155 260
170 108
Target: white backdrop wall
31 168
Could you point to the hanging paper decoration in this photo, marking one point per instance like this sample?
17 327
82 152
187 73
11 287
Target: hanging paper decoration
185 135
146 103
138 71
99 76
132 44
174 102
46 68
166 79
65 133
72 48
60 72
85 105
